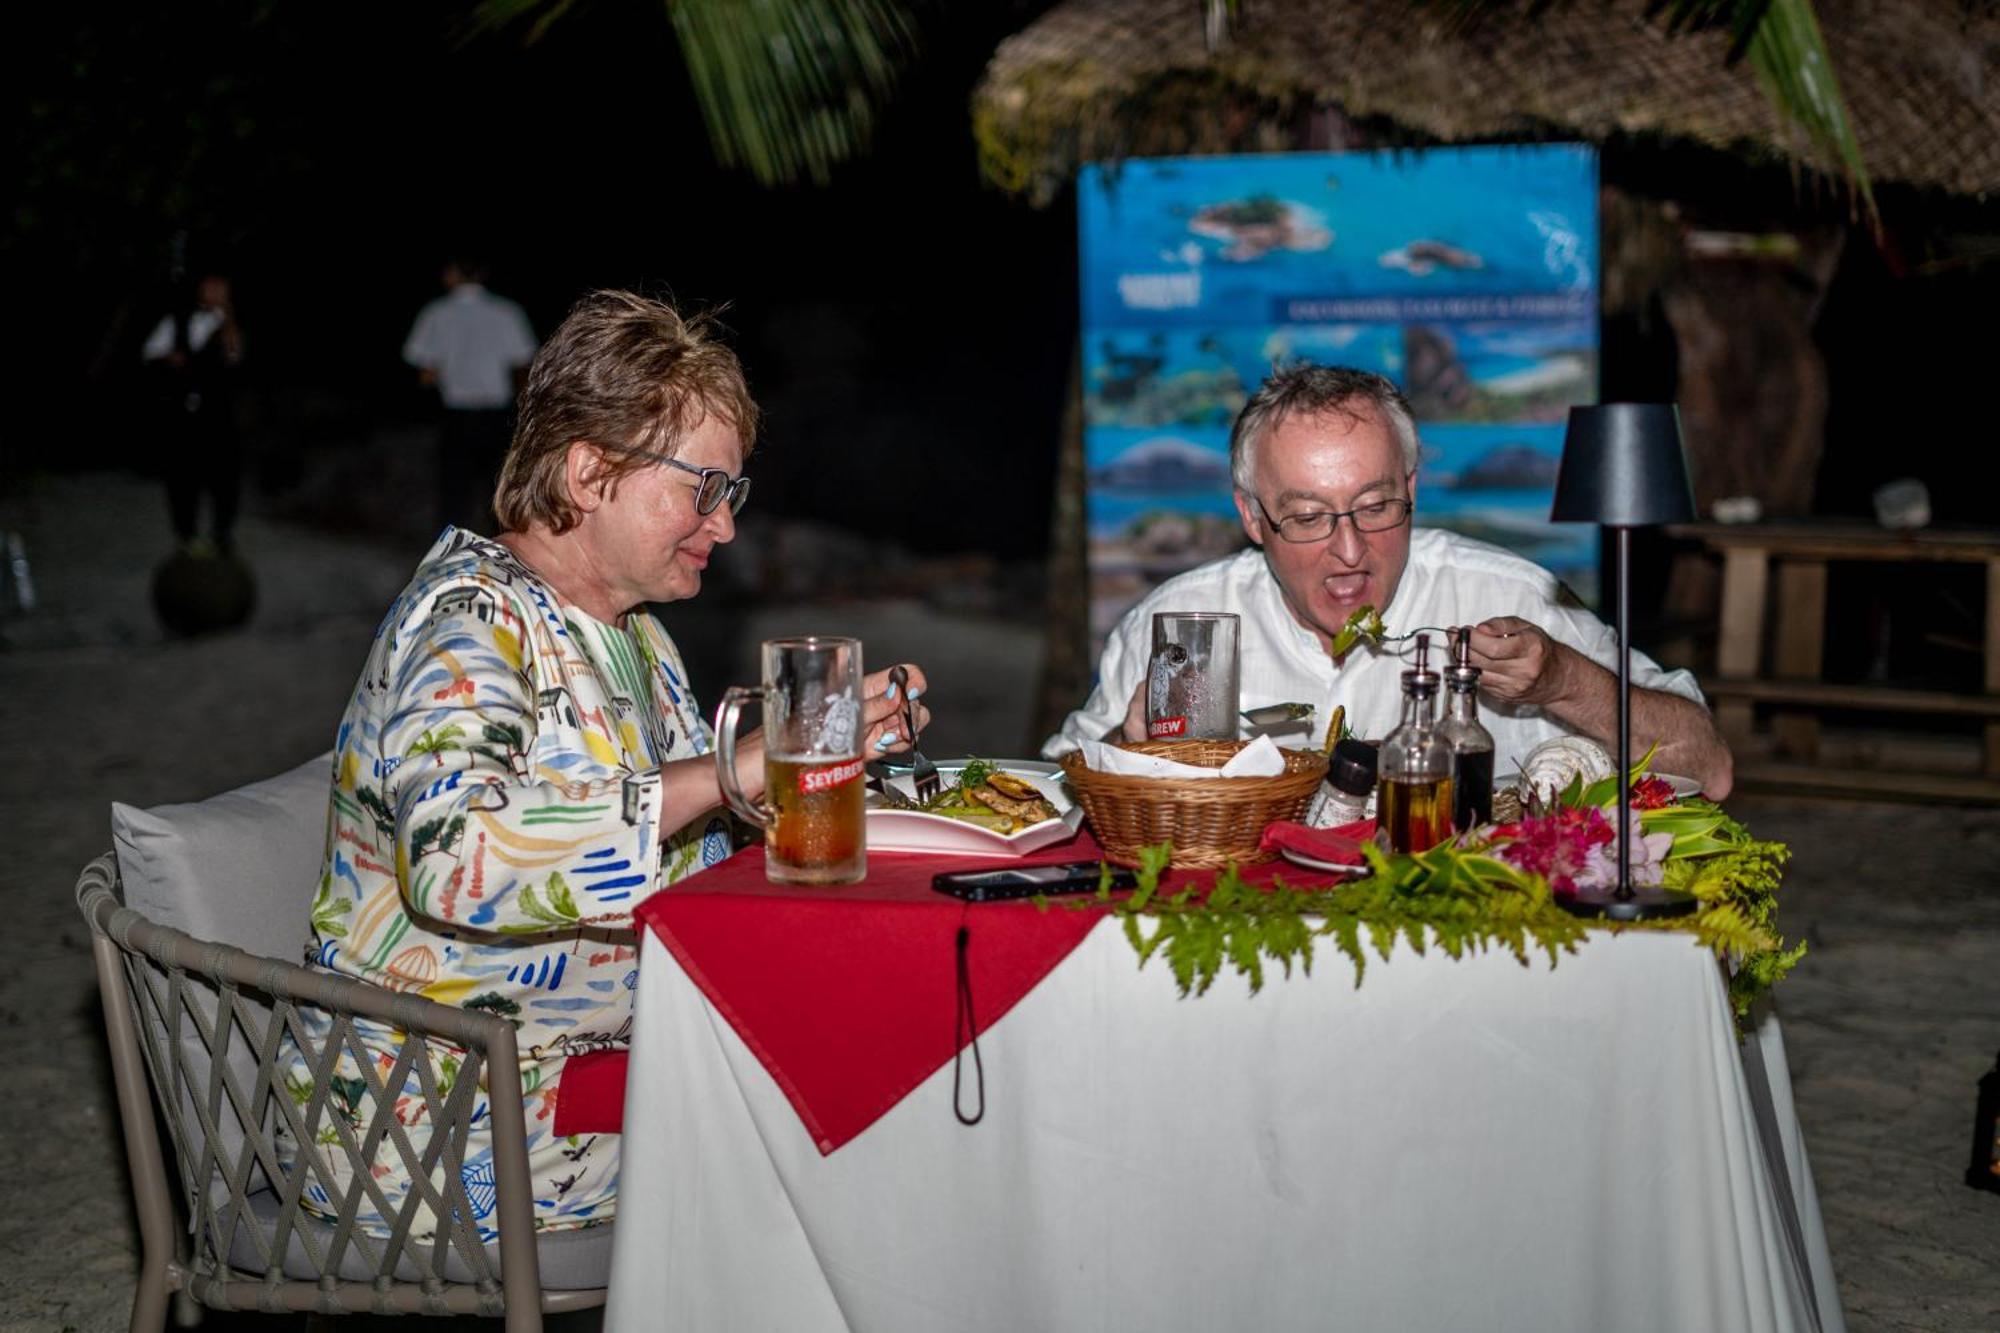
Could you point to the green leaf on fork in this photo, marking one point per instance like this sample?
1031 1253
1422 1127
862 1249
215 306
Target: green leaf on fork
1365 623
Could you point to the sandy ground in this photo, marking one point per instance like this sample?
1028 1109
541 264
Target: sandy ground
1890 1021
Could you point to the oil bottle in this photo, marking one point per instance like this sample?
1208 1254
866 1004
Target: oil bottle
1413 797
1471 744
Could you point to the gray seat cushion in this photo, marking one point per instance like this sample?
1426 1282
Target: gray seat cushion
240 868
576 1259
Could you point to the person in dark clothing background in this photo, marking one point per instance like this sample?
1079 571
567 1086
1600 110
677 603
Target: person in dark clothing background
197 350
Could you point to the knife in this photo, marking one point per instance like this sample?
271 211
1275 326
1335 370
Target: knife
879 775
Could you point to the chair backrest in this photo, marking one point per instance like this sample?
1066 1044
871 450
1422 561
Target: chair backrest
173 1002
239 869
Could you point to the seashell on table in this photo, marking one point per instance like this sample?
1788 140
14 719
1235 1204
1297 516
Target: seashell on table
1555 763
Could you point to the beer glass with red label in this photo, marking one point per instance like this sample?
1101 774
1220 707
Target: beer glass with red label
1191 681
811 813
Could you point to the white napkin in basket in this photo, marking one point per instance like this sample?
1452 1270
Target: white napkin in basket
1258 759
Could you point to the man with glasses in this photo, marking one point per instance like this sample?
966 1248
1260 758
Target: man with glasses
1324 465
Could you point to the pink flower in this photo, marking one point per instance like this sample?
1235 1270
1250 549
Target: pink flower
1577 848
1557 845
1651 793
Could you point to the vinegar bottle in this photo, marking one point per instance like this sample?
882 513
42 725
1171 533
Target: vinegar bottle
1413 798
1471 744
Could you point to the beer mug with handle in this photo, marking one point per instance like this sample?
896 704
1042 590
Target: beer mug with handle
811 813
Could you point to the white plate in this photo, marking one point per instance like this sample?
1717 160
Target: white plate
1314 863
915 831
1682 786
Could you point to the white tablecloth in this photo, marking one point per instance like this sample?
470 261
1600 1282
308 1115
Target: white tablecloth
1454 1145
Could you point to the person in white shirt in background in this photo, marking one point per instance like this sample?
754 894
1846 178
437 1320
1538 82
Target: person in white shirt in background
1324 466
474 348
197 349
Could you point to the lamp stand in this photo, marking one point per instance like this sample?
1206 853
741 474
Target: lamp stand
1626 903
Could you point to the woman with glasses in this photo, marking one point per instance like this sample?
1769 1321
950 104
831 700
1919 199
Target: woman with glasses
523 760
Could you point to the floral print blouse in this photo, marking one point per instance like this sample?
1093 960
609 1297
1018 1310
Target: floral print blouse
495 818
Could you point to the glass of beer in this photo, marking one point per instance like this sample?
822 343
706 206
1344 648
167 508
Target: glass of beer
1191 679
811 813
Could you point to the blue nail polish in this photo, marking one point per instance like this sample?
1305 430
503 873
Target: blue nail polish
891 696
887 739
916 691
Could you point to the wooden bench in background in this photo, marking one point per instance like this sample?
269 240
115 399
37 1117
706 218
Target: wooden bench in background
1801 552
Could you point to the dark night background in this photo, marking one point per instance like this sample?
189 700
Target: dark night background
908 330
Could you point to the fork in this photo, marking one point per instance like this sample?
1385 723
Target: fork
1438 630
923 773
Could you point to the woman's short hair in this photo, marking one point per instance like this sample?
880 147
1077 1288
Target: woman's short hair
1304 389
621 372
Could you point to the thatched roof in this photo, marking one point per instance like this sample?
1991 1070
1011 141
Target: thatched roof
1103 79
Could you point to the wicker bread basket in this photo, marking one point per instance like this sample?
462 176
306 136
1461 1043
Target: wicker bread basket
1210 821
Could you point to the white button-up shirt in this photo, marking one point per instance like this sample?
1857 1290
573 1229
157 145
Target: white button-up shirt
473 341
203 324
1450 580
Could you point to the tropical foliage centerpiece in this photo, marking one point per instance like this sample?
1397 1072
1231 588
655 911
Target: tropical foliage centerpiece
1496 885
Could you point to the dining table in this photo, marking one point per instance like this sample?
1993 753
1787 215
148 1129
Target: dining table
875 1107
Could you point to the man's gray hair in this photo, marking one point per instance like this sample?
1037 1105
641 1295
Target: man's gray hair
1304 389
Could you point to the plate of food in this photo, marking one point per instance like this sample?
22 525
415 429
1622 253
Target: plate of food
1004 807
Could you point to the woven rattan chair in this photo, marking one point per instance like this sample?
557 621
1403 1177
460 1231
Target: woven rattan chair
196 1030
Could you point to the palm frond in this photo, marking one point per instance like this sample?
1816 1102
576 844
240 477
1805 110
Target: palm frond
1786 50
540 15
788 89
1789 53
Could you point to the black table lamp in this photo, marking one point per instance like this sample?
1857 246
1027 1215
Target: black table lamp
1622 468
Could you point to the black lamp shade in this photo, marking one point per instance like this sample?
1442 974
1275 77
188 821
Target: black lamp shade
1622 467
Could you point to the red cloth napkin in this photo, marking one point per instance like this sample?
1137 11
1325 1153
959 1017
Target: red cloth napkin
1341 846
847 994
591 1097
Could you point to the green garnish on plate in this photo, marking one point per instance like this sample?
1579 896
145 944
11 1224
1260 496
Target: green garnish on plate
954 801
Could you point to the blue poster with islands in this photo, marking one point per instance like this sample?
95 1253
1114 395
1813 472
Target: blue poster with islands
1467 275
